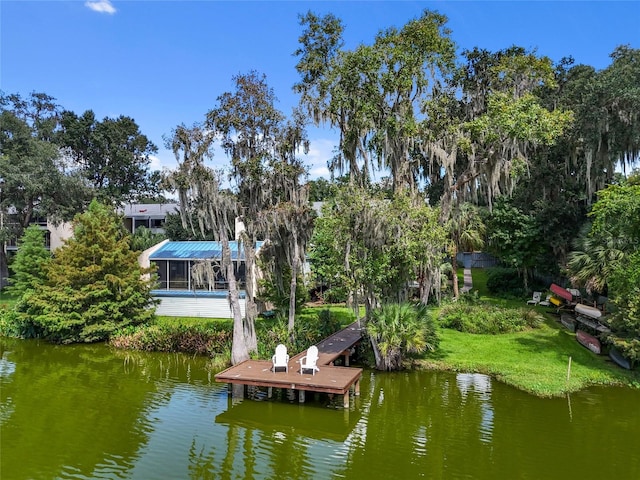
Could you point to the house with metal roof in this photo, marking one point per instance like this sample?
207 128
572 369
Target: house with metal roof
181 291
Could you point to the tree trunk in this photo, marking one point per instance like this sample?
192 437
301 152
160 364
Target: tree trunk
4 268
376 353
454 265
239 351
251 310
292 289
425 286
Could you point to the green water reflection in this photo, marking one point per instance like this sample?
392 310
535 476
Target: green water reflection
91 412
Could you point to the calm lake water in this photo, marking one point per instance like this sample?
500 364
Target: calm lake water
85 412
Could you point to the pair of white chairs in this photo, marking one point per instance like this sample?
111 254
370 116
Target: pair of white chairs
537 300
309 362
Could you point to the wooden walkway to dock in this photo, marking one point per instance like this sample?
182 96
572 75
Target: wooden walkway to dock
329 378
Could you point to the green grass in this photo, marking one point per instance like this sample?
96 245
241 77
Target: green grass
7 300
190 321
535 361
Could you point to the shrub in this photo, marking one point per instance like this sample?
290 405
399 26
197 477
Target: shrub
193 339
335 295
505 282
488 319
399 329
16 324
629 348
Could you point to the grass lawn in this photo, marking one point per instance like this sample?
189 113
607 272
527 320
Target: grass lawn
7 300
535 361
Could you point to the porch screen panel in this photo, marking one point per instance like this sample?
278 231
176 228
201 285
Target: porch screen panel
163 278
178 275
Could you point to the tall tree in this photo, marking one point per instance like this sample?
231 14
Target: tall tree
214 210
372 94
29 263
112 155
262 148
482 129
34 182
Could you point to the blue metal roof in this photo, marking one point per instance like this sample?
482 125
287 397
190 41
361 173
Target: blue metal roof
196 250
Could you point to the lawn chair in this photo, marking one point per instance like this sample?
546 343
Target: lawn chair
280 359
308 362
546 302
537 296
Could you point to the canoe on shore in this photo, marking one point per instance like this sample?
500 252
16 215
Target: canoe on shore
568 321
561 292
588 341
617 357
587 311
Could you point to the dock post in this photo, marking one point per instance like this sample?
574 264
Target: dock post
356 388
346 359
345 399
237 392
301 396
269 392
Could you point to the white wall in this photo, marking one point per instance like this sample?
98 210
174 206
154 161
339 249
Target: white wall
205 307
58 234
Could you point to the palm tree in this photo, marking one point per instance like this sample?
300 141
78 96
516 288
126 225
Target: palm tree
396 329
466 230
594 260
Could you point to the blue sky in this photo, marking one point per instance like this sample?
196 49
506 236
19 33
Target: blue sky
165 62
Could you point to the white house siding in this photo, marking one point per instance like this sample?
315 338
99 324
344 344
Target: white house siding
205 307
58 234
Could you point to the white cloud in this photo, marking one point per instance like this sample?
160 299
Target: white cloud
320 152
101 6
156 163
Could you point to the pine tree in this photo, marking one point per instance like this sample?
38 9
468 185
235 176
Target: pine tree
94 284
29 262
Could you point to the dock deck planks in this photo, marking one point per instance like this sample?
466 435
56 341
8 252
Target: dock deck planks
329 379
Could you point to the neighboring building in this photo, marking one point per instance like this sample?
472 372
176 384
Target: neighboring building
179 292
54 235
151 215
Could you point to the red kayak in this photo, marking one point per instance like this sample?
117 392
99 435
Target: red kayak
589 341
561 292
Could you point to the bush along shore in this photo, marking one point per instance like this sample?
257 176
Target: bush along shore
522 347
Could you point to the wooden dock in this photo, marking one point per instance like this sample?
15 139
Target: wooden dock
329 379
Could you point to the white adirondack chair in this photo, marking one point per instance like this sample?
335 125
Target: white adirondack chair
308 362
546 302
537 296
280 359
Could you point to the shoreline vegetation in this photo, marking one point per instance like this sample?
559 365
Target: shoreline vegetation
535 360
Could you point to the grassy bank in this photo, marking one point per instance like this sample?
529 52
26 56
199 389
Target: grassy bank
536 361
